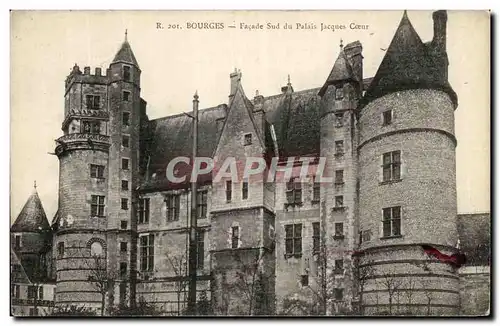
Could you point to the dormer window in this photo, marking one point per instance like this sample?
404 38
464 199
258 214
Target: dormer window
126 73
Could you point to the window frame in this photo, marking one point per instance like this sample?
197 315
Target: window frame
316 226
339 177
97 171
339 267
173 203
146 252
94 127
60 250
235 237
125 185
127 73
339 199
338 235
247 139
339 148
124 204
97 206
94 101
126 118
125 167
123 246
126 141
294 192
294 238
123 271
143 210
316 193
389 220
202 203
229 191
387 117
200 249
244 190
126 96
391 165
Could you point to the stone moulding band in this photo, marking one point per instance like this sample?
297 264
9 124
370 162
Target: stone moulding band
402 131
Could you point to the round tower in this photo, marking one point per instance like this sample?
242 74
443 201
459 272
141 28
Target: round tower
98 157
407 182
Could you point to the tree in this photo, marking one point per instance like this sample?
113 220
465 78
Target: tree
392 285
141 308
362 273
100 278
179 267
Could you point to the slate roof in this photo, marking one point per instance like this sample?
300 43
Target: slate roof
341 71
18 275
125 54
408 64
32 217
474 232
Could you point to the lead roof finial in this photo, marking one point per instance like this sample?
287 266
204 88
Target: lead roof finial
289 80
34 184
341 44
126 34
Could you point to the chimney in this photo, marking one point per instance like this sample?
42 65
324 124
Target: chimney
439 40
235 80
86 71
354 54
287 89
97 71
258 101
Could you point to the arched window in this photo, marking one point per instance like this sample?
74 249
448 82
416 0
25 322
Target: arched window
96 249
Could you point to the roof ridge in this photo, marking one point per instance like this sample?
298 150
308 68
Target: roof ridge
183 113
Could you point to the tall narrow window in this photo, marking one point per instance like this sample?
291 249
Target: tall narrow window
339 266
391 221
143 210
126 141
147 252
124 163
60 250
316 190
124 204
97 171
123 247
235 237
391 166
294 191
244 190
387 117
126 96
126 73
18 242
339 147
126 118
124 184
339 201
316 237
40 293
339 229
293 239
339 177
123 270
97 206
200 242
173 204
229 190
17 291
202 204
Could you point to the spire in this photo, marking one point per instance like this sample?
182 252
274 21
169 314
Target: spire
408 64
32 217
195 96
125 53
34 185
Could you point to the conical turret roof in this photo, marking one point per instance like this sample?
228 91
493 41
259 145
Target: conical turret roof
125 54
32 217
342 70
408 64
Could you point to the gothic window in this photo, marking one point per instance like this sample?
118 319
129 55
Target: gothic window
202 204
97 206
391 222
391 166
293 240
146 252
235 237
316 237
294 191
173 205
143 210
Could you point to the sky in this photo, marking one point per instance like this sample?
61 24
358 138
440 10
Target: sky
177 62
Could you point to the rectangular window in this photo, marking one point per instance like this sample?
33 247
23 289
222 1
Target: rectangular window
339 266
387 117
244 190
316 237
202 204
124 205
339 229
124 184
40 293
123 225
146 244
339 177
293 239
126 73
18 241
391 166
124 163
235 237
93 102
91 127
316 190
126 141
339 201
143 210
173 204
32 292
339 147
391 221
126 96
97 206
200 242
304 280
338 294
97 171
16 291
60 250
126 118
229 190
339 119
294 191
123 270
123 246
248 139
